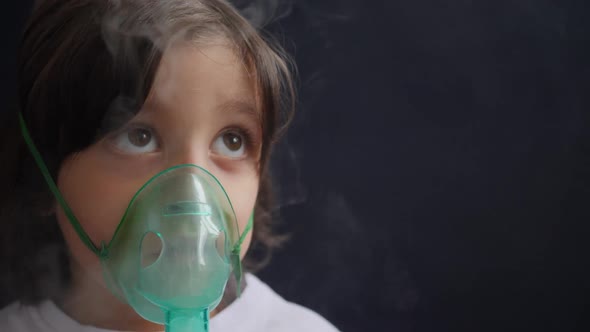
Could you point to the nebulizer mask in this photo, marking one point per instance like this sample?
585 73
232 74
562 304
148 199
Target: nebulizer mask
174 249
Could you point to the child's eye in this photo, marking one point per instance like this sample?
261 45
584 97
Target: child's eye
136 140
230 144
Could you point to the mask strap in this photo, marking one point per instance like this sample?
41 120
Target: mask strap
53 187
246 230
235 255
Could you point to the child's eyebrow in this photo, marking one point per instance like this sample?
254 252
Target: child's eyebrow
242 107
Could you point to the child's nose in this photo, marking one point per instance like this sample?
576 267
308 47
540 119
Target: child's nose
190 155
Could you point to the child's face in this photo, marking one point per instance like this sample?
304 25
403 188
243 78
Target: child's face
201 110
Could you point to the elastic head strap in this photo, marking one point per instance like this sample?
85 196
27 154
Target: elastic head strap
76 224
53 187
246 230
235 255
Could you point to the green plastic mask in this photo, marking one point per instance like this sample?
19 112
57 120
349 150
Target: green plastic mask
174 249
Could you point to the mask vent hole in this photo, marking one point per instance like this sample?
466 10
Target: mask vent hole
151 249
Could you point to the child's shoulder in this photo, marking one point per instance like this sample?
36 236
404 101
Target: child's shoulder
258 309
18 318
261 309
45 316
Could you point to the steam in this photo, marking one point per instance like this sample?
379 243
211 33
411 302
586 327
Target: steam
288 177
261 13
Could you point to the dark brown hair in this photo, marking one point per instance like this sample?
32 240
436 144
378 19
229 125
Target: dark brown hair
86 64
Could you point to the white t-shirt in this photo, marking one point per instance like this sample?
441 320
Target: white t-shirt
259 309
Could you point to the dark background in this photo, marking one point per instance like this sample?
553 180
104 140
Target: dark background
437 176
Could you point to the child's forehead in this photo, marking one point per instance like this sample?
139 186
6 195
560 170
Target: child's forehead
193 77
185 61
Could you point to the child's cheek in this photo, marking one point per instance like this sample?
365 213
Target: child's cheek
98 196
242 189
97 199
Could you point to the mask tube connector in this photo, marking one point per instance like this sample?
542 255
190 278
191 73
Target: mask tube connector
177 321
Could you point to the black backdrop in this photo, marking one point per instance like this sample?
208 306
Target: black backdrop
437 176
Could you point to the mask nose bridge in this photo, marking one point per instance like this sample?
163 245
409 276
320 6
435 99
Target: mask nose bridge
186 208
185 200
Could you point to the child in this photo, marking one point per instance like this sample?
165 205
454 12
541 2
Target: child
113 93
